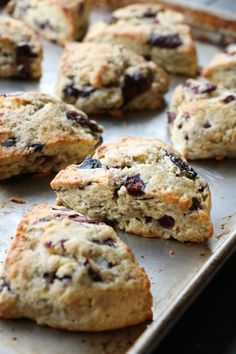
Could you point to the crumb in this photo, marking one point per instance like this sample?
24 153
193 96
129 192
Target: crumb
14 338
171 252
17 200
142 256
223 226
202 254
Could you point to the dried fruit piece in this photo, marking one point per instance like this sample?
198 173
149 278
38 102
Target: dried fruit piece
171 117
169 41
183 166
134 185
93 273
134 85
109 242
195 204
9 143
83 120
229 99
90 163
166 221
37 147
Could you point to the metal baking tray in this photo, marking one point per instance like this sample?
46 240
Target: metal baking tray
177 271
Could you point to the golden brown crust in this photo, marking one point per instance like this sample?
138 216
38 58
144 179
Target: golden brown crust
89 282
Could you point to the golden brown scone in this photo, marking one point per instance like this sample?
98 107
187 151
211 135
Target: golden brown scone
20 50
66 271
41 134
222 69
100 78
57 20
152 31
142 185
202 120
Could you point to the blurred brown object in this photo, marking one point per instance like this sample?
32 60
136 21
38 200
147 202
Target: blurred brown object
214 21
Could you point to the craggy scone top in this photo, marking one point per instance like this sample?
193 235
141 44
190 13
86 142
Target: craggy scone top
35 122
101 77
150 30
70 272
143 180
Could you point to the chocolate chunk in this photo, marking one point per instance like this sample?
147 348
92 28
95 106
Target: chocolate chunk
37 147
94 274
229 99
135 85
90 163
183 166
83 120
25 50
206 125
180 126
4 284
171 117
195 204
170 41
134 185
70 91
9 143
166 221
109 242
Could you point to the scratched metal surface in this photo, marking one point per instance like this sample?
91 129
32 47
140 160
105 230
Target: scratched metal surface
175 278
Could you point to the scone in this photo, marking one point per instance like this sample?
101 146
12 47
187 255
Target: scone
142 186
222 68
57 20
69 272
153 32
202 121
100 78
41 134
20 50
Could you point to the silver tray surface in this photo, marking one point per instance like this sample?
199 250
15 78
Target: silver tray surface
177 271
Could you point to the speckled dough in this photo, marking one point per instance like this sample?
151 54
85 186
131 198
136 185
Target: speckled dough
56 20
20 50
66 271
101 78
202 121
41 134
141 185
222 68
152 31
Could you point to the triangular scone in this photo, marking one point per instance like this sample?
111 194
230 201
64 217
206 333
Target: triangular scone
116 81
150 30
70 272
202 120
41 134
222 68
142 185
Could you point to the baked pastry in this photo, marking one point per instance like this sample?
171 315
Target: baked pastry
152 31
141 185
41 134
202 121
222 69
20 50
57 20
100 78
66 271
213 22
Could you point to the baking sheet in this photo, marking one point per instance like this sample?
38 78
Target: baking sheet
177 271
